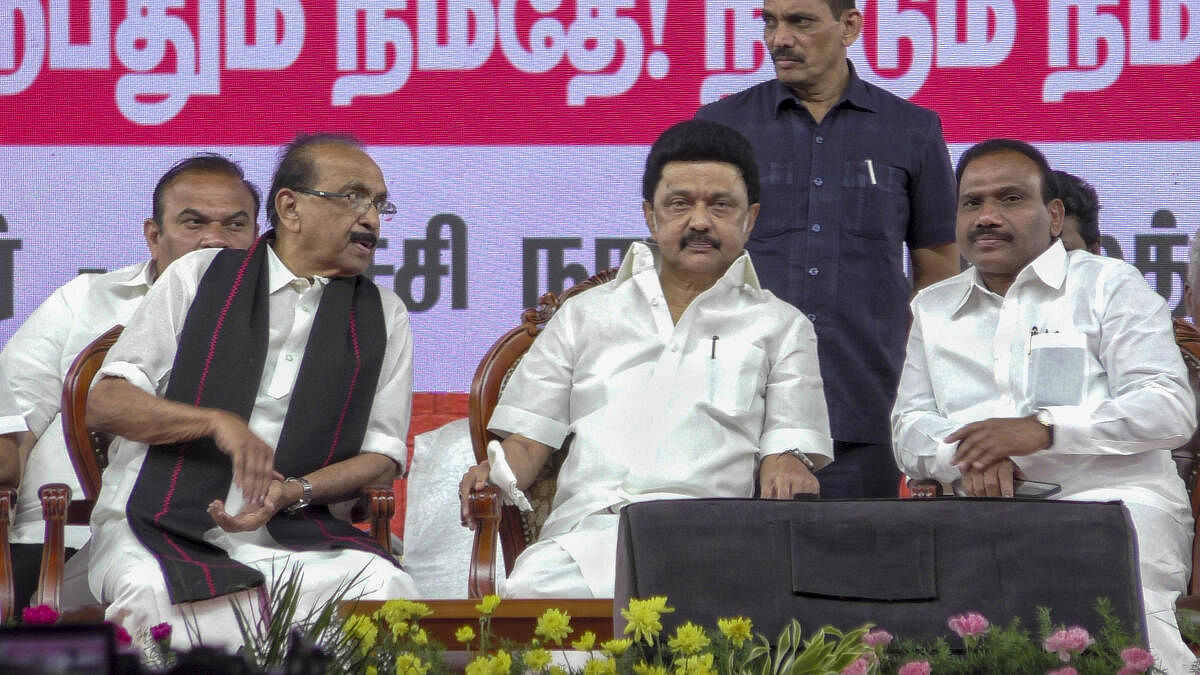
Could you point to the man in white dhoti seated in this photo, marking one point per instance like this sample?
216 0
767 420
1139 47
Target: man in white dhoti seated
680 378
1054 366
250 390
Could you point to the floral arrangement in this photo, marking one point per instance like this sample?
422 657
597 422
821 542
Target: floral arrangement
391 640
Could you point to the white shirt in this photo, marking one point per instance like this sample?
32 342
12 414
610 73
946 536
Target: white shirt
145 354
1104 363
37 358
11 419
663 410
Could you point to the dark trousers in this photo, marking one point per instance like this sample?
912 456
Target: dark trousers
860 470
27 565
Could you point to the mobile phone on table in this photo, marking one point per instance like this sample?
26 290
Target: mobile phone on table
1021 488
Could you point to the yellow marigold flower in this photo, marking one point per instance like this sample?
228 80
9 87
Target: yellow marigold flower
600 667
585 641
736 629
537 659
420 637
554 625
399 628
643 618
557 670
488 604
409 664
372 670
479 666
689 639
395 611
617 646
500 664
643 668
464 634
695 665
363 629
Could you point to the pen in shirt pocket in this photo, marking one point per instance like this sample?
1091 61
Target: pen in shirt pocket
871 171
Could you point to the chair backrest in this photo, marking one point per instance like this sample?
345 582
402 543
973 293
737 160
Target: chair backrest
518 529
88 451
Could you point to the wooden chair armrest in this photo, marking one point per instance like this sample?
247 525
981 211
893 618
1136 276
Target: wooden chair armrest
924 488
8 504
376 505
56 499
484 506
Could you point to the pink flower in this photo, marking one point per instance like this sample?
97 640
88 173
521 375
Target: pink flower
877 638
1068 642
969 625
42 615
1126 670
1065 670
914 668
1136 659
124 640
161 632
861 666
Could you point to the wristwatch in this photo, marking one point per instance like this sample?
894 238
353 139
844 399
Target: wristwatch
305 495
1045 418
798 454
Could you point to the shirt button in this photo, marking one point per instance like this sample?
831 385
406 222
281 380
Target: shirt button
819 139
818 182
654 302
812 317
812 271
816 227
674 348
289 357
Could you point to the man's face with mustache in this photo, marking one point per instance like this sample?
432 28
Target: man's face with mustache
700 218
806 41
1003 220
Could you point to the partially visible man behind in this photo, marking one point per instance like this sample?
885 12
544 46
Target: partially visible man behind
263 384
1053 366
1081 212
203 201
851 175
680 378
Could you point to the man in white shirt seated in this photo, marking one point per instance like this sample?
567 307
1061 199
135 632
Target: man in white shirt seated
1054 366
682 377
12 430
247 384
203 201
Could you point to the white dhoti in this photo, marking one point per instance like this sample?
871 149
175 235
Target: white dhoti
132 583
1164 560
576 564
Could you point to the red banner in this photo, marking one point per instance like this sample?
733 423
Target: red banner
484 72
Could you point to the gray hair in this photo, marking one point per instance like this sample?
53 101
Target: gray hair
1194 262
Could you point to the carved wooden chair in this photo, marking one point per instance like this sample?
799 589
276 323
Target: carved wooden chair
89 456
504 523
8 502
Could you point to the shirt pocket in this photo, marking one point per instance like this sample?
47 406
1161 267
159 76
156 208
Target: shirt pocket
728 376
1056 369
874 199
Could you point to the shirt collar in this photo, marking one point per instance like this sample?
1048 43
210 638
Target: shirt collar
1050 267
856 95
141 276
279 276
643 258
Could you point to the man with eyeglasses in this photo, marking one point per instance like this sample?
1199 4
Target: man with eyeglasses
202 201
242 394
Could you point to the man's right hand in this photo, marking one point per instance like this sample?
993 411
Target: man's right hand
253 460
994 481
474 479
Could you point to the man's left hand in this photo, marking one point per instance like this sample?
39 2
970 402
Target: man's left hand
252 516
782 476
983 443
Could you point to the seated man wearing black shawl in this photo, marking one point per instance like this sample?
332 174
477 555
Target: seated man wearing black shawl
250 390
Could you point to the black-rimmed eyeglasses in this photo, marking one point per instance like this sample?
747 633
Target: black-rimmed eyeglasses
357 201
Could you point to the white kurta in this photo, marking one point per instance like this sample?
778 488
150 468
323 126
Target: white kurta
663 410
11 419
37 357
1103 361
122 571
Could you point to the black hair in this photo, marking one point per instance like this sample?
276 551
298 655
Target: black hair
995 145
296 168
1079 199
204 162
701 141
